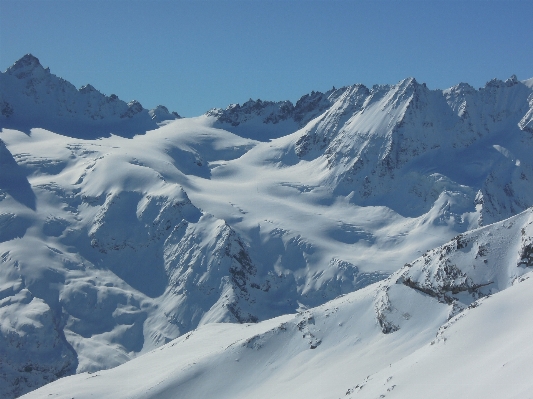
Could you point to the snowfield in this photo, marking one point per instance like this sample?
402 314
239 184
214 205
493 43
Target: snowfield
359 243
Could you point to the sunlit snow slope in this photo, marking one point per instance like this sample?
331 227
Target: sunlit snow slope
122 229
463 330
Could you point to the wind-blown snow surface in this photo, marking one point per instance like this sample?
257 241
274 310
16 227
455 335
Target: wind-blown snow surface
112 244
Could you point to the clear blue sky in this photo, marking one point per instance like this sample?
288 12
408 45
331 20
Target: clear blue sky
195 55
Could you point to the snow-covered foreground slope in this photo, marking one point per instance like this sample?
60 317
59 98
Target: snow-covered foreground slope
391 339
113 244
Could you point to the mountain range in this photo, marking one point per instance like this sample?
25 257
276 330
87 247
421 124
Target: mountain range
360 242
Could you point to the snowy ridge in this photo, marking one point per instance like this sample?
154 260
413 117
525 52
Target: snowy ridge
472 266
251 213
379 146
265 120
33 97
375 142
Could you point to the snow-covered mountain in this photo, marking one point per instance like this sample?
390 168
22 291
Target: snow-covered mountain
31 96
122 229
453 323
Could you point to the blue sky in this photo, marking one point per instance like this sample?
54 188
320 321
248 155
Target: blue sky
195 55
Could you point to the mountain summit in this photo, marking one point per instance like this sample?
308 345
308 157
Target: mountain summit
26 66
33 97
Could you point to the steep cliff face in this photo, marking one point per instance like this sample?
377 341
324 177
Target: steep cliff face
475 264
210 273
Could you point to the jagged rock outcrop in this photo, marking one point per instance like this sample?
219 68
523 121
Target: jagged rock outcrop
210 273
265 120
472 266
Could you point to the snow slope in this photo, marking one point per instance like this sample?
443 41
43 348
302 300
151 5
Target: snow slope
341 349
122 229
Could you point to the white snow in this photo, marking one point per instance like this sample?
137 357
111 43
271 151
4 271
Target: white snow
123 229
337 350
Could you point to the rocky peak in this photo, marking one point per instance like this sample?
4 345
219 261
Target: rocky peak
161 113
26 66
513 80
314 103
306 108
461 88
268 111
134 107
496 83
399 94
87 89
308 103
410 81
411 86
